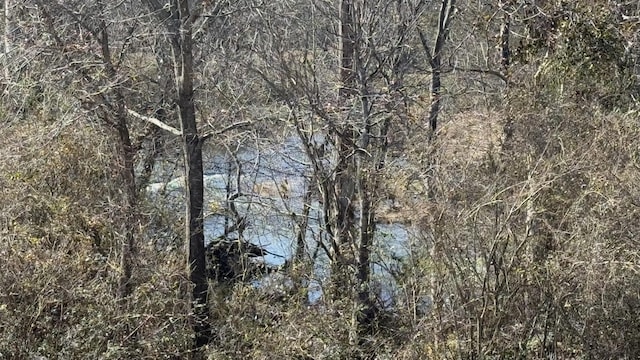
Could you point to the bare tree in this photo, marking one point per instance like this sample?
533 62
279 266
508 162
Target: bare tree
352 124
105 93
6 16
179 17
434 53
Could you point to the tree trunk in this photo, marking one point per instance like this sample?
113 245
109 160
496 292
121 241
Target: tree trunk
183 57
342 199
194 222
364 310
7 43
127 248
447 10
434 107
178 19
127 155
347 50
505 51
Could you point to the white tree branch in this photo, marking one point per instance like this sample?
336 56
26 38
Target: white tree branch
155 122
175 131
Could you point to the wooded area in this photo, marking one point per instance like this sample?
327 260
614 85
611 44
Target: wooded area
348 179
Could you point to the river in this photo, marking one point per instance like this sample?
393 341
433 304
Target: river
272 184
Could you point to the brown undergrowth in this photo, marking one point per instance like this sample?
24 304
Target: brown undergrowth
520 246
59 268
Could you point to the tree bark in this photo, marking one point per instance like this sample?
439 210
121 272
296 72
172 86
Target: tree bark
127 155
342 199
347 50
364 312
127 248
183 58
7 42
179 22
505 51
447 10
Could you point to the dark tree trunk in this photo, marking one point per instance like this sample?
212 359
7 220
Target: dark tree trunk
179 20
193 175
342 216
130 208
447 9
434 108
194 229
505 51
365 308
127 155
347 50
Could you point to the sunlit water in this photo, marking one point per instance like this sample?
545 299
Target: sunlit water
272 187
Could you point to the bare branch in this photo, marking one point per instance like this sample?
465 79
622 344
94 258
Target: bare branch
155 122
484 71
226 129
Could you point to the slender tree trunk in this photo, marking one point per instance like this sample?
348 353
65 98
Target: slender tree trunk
505 52
447 9
127 248
6 16
347 50
352 269
299 261
434 108
193 175
364 311
127 155
302 222
342 201
194 224
505 49
343 218
179 21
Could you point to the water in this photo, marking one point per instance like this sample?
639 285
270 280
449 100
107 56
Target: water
272 186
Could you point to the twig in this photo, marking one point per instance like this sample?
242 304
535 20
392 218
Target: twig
484 71
226 129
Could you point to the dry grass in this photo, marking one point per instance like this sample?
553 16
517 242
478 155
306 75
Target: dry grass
469 136
525 250
59 244
530 241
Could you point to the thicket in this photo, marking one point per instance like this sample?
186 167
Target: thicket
523 214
